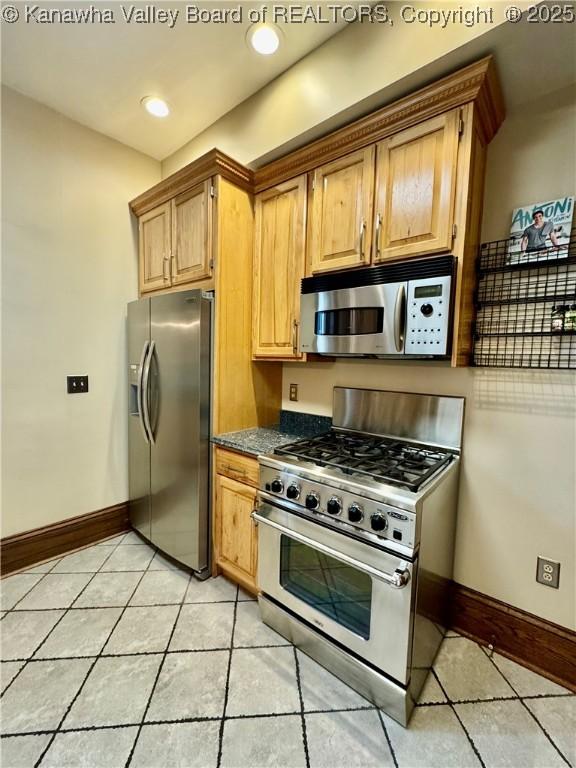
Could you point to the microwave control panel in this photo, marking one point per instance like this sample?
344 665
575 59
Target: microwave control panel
428 315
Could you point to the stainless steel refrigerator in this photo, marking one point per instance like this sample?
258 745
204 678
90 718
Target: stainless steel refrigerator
169 344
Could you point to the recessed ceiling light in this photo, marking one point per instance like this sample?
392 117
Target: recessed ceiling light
264 38
155 106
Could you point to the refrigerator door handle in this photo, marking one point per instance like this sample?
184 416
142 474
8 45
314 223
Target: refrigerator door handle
146 393
139 393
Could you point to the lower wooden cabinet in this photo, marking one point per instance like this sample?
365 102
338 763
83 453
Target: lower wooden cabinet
235 534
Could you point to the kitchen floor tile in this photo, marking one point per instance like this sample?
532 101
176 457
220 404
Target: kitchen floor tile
263 742
108 747
190 685
321 690
13 588
22 751
108 590
250 630
84 561
115 693
43 567
80 633
558 718
524 681
161 563
178 745
347 740
132 538
203 626
262 682
114 541
216 590
8 671
505 736
129 558
23 631
55 591
467 674
161 588
244 595
39 697
143 629
434 739
431 692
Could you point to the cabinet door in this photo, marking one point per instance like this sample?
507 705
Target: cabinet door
154 245
415 185
342 212
236 532
192 235
279 254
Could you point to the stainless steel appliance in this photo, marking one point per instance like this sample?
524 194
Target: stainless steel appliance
394 310
169 343
356 540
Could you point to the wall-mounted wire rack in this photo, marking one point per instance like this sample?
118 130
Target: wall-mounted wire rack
523 306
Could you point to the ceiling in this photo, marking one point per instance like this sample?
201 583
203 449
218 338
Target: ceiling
97 73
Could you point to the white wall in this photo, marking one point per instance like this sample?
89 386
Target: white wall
69 268
517 491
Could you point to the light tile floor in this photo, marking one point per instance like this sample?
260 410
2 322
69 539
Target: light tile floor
113 656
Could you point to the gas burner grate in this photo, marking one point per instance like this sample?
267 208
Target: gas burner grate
397 462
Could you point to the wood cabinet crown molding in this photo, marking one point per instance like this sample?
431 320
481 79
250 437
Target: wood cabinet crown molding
213 163
476 83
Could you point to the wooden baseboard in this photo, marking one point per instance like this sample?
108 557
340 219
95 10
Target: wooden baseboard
540 645
25 549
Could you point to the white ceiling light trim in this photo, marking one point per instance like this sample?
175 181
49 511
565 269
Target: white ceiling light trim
264 38
155 106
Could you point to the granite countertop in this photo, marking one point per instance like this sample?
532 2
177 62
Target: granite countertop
261 440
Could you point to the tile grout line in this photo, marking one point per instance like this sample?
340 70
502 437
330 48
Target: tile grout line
158 673
81 688
532 715
227 686
65 613
457 716
302 718
390 747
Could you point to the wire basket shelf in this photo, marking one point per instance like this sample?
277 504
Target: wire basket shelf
526 307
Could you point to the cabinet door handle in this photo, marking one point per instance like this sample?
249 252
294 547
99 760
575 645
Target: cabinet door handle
295 337
166 263
362 233
378 233
173 264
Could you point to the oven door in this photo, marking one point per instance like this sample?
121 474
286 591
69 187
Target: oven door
366 320
358 595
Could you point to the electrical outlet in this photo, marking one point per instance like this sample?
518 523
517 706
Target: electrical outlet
548 572
294 392
77 384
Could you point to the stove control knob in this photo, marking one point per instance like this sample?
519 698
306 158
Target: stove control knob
378 522
312 500
277 485
427 309
355 513
334 506
293 491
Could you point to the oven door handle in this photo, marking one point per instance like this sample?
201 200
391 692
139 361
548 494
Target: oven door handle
398 579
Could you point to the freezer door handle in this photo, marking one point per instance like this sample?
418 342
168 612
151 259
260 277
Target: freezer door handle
146 393
139 392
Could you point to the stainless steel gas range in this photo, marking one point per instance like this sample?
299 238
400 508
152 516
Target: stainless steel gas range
356 540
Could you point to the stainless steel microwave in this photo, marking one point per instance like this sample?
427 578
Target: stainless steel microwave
401 310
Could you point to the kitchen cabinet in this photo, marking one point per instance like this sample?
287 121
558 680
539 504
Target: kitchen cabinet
415 187
279 264
341 215
176 240
235 533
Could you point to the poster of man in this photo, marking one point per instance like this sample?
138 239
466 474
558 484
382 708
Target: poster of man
541 231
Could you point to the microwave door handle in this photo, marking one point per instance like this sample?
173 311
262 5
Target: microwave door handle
398 579
400 318
139 392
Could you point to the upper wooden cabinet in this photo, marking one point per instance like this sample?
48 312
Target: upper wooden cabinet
279 255
154 241
341 215
192 235
415 185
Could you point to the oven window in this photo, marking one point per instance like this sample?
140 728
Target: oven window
354 321
339 591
